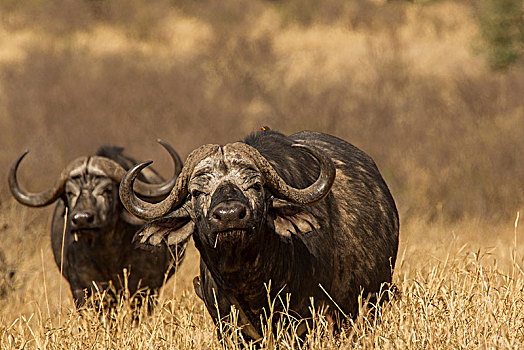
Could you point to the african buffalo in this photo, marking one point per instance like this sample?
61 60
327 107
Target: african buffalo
96 244
309 213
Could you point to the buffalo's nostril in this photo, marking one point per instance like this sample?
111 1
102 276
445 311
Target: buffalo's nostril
242 213
216 216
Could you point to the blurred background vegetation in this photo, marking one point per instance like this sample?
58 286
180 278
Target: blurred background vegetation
432 90
501 24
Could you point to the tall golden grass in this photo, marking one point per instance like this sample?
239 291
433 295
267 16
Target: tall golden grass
458 286
398 79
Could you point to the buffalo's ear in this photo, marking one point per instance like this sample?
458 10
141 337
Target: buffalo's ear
130 218
171 229
292 219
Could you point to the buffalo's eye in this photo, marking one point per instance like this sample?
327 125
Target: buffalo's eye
196 193
256 187
70 194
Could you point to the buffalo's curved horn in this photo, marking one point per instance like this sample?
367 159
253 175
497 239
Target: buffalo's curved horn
309 195
45 197
105 166
116 172
165 188
148 211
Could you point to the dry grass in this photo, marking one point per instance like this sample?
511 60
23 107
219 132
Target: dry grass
397 79
459 286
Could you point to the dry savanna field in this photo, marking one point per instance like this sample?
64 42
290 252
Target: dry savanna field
406 81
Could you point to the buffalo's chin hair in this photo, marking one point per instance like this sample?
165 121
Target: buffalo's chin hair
88 231
230 236
87 234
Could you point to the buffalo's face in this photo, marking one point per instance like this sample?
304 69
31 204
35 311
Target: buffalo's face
93 203
88 187
228 199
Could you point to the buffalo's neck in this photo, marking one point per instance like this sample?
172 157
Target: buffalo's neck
273 262
107 248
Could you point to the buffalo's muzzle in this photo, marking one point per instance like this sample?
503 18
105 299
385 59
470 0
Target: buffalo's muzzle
229 215
83 220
